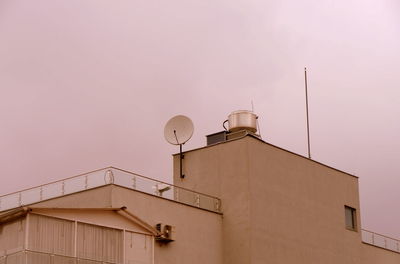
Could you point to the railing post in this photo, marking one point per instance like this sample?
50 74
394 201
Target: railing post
86 182
176 198
373 240
63 188
197 200
217 205
109 177
134 182
20 198
385 243
41 193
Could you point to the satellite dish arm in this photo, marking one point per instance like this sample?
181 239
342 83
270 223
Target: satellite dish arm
177 141
180 156
180 161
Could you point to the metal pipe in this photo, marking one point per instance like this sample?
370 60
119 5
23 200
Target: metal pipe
308 124
180 161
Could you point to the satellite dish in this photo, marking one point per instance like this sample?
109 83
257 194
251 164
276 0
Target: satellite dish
178 130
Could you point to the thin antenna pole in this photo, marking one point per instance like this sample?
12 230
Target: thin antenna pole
308 123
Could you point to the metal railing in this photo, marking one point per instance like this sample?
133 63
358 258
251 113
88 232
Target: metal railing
381 241
106 176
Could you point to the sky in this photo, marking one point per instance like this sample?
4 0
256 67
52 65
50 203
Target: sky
87 84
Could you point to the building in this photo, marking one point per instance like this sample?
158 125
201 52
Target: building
242 201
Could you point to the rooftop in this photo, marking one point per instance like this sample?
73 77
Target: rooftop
108 176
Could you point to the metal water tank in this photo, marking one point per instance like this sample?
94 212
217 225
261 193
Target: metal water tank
242 120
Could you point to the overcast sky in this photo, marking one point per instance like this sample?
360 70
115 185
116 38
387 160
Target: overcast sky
91 83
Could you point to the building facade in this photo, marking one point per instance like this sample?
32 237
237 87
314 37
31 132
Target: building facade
242 200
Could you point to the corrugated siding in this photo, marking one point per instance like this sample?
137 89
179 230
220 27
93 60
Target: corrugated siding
12 236
38 258
100 243
138 248
18 258
52 241
51 235
45 258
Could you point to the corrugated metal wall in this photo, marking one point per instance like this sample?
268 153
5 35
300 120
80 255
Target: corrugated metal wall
100 243
52 241
12 237
51 235
18 258
138 248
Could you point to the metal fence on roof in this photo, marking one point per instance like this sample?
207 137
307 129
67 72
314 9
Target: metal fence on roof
106 176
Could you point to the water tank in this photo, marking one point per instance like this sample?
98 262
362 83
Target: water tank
242 120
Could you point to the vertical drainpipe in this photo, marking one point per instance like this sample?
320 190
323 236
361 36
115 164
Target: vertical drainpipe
123 247
75 239
152 249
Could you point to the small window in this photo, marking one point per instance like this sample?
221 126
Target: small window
350 216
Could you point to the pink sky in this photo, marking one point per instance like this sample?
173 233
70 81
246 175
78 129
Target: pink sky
87 84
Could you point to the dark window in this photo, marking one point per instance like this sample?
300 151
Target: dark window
350 217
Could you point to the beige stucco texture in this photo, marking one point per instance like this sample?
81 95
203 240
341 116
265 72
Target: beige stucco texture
279 207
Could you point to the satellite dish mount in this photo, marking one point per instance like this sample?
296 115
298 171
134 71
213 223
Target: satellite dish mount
178 131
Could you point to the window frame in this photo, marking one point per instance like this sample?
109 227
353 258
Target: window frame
352 212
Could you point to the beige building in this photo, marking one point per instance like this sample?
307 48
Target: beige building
242 201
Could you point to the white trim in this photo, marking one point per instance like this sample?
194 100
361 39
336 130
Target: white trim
26 231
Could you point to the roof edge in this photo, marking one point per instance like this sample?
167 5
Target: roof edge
274 146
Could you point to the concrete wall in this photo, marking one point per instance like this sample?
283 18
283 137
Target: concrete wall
222 171
374 255
94 198
198 232
277 206
297 209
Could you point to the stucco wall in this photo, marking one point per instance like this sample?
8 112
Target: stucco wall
222 171
374 255
94 198
198 232
297 209
277 206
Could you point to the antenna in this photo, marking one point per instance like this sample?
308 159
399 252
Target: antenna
178 131
308 124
